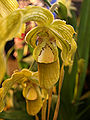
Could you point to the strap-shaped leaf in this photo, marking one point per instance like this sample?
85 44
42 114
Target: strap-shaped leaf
10 26
38 14
17 77
7 6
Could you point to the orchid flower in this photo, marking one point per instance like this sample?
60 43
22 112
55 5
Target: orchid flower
31 90
46 38
50 34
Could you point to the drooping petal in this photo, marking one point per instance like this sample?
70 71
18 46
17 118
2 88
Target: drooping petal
17 77
34 106
11 24
64 39
38 14
31 36
7 6
48 74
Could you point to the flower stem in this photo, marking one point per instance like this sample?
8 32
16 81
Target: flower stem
36 117
59 90
49 103
44 110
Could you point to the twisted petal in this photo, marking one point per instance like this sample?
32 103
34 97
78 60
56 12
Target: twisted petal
17 77
63 34
31 36
64 39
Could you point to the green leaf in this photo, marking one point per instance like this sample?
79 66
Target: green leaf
84 40
67 109
83 110
15 115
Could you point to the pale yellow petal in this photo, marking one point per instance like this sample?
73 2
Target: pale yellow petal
7 6
10 26
38 14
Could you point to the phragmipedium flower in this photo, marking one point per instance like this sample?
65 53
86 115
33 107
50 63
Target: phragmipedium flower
31 90
44 38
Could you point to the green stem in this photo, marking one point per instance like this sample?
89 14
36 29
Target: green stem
30 68
83 112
